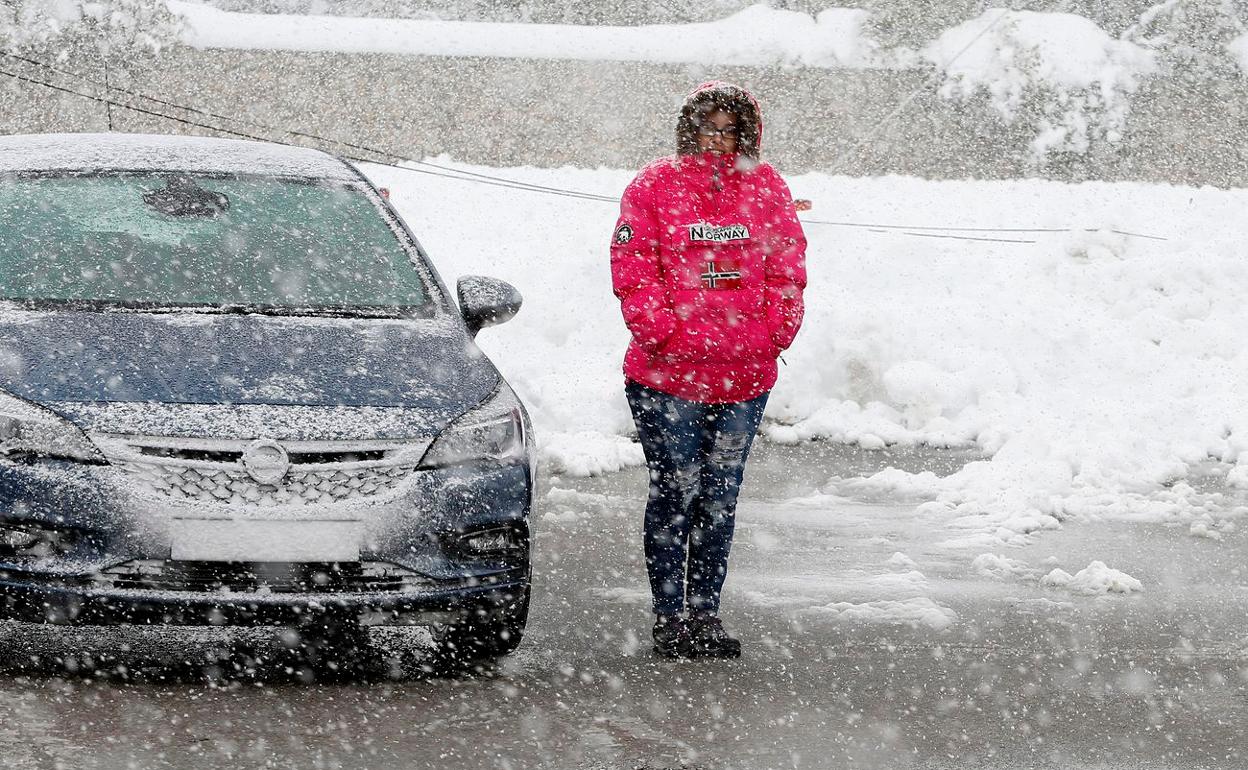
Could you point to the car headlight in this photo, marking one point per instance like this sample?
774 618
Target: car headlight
27 429
34 539
495 430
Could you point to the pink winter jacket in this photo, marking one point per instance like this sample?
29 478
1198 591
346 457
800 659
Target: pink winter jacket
708 261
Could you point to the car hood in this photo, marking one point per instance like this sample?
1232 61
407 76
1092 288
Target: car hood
104 370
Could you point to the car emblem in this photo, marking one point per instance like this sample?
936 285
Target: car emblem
266 461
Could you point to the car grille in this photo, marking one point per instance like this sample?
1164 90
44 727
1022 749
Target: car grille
235 487
212 471
262 578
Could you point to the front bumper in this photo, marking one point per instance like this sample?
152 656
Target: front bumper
422 529
34 602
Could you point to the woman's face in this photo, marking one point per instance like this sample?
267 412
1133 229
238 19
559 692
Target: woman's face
717 132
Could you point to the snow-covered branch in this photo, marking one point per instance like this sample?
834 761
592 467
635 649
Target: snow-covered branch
1063 71
1196 35
106 25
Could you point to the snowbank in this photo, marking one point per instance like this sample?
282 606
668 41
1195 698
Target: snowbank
1093 580
999 567
1093 366
917 612
757 35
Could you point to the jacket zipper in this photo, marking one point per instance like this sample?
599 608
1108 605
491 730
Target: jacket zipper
717 183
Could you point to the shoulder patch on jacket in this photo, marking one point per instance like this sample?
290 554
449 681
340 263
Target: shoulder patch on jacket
623 233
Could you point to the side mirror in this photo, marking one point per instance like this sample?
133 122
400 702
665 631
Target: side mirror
486 301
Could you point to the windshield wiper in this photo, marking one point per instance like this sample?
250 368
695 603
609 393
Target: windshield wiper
317 311
226 308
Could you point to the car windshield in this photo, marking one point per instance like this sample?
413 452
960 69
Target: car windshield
158 240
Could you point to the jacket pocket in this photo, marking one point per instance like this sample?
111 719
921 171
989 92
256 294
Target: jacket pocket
783 321
701 342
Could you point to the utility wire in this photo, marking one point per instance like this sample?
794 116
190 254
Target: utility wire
314 137
110 107
953 229
140 110
469 176
433 169
967 238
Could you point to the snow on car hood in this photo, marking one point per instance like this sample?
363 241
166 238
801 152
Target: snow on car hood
120 371
154 152
244 421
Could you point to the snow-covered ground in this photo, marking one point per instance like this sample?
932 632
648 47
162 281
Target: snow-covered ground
1093 348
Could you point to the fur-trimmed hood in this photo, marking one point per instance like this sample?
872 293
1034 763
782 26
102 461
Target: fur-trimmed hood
713 95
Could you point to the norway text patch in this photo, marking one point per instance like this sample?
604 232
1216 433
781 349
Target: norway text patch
718 234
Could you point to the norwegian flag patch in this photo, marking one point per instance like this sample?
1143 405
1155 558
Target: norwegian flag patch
721 274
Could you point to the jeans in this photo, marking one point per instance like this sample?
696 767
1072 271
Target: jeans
696 455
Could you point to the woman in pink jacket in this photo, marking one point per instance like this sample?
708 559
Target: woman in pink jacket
708 261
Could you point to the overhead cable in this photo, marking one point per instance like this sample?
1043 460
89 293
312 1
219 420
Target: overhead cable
954 229
412 165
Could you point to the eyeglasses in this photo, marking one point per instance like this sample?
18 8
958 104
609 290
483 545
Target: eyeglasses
709 130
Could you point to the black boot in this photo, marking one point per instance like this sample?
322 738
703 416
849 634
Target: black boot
709 639
671 636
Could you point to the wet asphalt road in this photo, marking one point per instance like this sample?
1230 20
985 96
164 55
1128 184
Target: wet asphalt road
854 657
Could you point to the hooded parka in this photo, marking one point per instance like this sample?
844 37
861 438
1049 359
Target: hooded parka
708 261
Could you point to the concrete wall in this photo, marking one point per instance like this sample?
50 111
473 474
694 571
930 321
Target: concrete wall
548 113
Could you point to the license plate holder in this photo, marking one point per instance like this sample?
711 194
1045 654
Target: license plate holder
261 540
